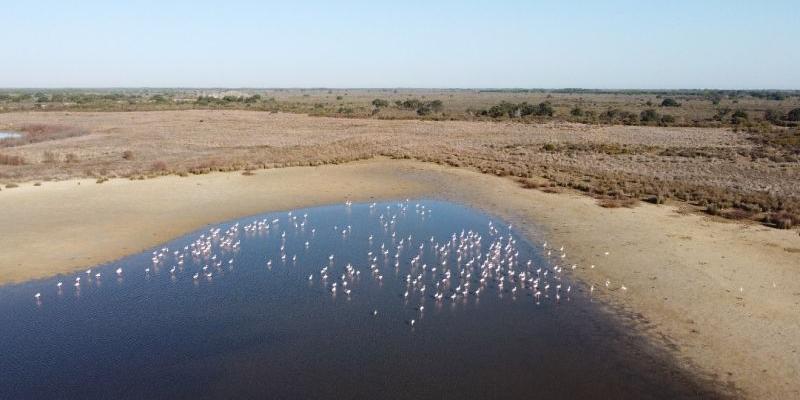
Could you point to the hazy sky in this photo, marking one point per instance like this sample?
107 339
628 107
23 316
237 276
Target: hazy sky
543 44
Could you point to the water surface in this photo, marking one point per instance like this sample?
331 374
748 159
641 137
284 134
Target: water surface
9 135
257 308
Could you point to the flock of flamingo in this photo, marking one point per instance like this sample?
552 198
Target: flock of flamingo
465 265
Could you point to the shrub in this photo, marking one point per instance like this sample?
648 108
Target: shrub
774 115
782 219
670 102
72 158
523 109
127 155
667 119
739 117
616 115
649 116
158 166
380 103
253 99
793 115
159 98
576 112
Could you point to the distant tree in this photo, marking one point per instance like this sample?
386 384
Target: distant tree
499 110
253 99
380 103
670 102
523 109
545 109
411 104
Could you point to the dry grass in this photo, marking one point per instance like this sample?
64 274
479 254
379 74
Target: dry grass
6 159
700 166
618 202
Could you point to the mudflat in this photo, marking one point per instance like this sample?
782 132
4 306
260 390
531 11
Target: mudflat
725 297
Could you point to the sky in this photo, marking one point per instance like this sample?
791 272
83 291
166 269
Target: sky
421 44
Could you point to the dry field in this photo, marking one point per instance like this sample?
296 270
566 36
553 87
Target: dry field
718 170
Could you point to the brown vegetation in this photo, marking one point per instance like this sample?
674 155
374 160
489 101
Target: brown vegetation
758 110
732 173
6 159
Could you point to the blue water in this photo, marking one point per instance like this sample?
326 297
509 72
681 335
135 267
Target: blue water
258 323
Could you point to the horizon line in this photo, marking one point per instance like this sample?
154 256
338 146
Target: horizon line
498 88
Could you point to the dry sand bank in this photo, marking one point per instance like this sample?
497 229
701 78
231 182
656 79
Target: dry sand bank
705 286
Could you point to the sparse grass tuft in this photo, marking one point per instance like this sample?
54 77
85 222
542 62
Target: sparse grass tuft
627 202
6 159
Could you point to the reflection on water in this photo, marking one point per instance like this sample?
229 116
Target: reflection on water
391 300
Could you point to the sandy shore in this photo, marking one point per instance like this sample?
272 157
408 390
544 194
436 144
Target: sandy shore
726 296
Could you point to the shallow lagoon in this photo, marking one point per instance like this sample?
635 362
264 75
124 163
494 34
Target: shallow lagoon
257 322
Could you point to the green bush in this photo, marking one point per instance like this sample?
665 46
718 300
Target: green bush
793 115
523 109
253 99
649 116
670 102
739 117
774 115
